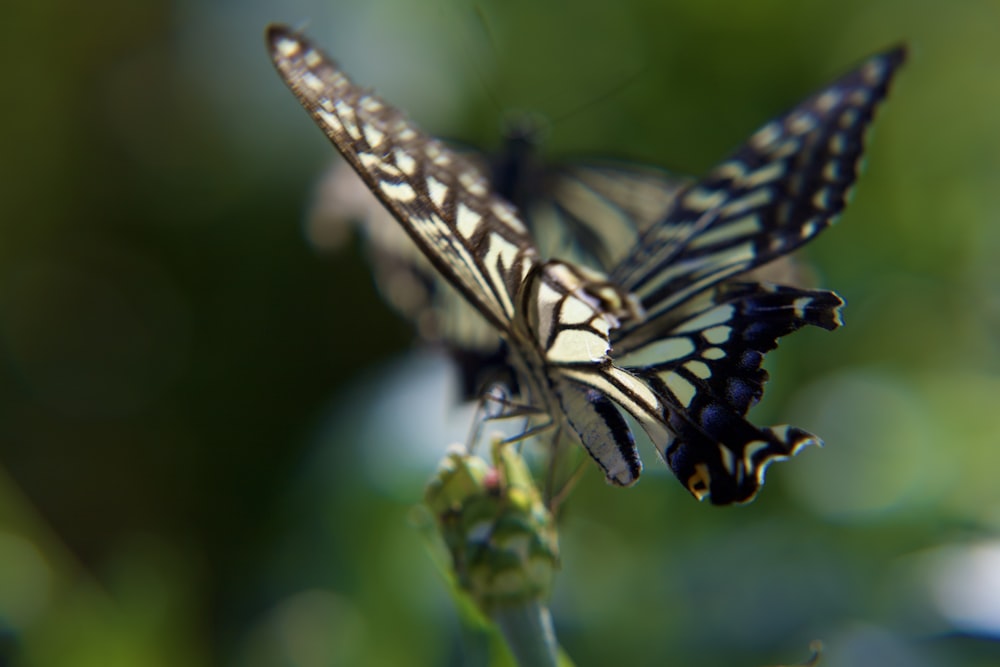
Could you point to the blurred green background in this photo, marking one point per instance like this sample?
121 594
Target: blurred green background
212 435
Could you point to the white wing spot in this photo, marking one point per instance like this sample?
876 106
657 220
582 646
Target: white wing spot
371 104
665 349
801 123
765 136
755 199
700 199
728 460
718 315
717 335
785 148
346 114
734 169
750 451
872 71
313 81
546 299
398 191
739 227
330 120
800 306
437 190
828 100
376 165
698 369
765 174
574 346
289 48
575 312
467 221
499 258
472 183
831 170
506 215
405 162
859 97
683 390
822 199
373 135
312 58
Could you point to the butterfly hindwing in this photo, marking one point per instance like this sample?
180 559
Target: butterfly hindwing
708 368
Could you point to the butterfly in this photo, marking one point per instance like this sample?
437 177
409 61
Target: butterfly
668 333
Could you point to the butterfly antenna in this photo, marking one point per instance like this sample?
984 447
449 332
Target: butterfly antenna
603 97
484 24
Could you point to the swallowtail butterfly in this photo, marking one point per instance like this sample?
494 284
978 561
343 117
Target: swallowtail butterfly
666 332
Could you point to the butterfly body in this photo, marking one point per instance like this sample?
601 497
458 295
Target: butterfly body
660 329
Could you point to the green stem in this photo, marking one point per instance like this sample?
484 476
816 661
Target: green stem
529 634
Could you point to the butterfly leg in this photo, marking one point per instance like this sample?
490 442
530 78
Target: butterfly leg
496 405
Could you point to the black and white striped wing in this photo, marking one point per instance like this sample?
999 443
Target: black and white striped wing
474 239
701 349
600 210
478 243
788 183
708 367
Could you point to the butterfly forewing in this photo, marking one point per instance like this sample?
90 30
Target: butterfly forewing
603 208
785 185
473 238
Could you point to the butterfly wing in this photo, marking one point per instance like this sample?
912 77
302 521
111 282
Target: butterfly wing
784 186
701 349
599 210
477 242
708 367
588 213
472 237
